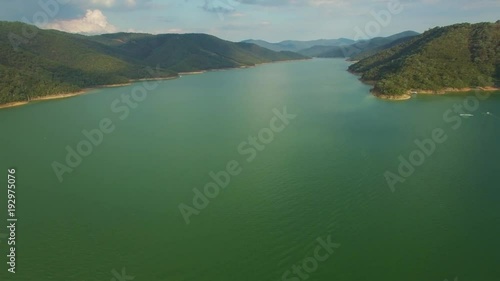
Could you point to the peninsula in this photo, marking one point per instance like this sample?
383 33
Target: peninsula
457 58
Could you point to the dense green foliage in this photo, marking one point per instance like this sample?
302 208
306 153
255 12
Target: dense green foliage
53 62
192 52
457 56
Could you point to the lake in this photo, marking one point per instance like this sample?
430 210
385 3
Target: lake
313 193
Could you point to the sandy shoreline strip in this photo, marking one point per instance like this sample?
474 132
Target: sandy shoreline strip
77 93
50 97
392 97
13 104
455 90
409 93
445 91
86 90
192 72
150 79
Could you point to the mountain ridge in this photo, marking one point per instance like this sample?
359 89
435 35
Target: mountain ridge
298 45
360 48
451 58
55 62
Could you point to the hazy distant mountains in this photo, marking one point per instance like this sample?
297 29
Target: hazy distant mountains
297 46
364 48
54 62
337 48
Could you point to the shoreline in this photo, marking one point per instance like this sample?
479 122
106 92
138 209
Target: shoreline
77 93
455 90
149 79
238 67
392 97
192 72
86 90
409 93
49 97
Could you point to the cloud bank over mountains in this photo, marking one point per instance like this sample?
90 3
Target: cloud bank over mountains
94 22
244 19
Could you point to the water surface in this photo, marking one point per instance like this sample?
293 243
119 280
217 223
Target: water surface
322 175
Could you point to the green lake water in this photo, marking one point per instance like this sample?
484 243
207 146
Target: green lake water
322 175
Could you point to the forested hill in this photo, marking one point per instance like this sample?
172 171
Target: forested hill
457 56
54 62
189 52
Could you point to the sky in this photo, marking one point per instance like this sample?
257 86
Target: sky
236 20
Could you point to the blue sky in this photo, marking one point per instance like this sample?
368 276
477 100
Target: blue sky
271 20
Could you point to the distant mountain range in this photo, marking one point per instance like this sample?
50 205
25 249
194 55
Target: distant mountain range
450 58
337 48
54 62
364 48
297 46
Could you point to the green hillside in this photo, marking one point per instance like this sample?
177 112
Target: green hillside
55 62
191 52
457 56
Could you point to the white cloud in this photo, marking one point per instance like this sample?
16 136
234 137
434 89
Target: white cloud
94 22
